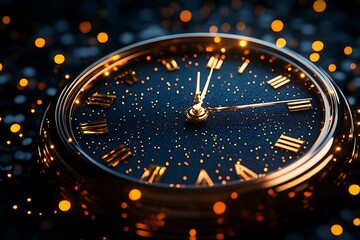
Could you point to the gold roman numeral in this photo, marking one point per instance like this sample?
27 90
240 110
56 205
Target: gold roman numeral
94 127
244 172
116 155
278 81
243 66
170 64
289 143
215 62
128 77
101 100
153 173
204 179
300 105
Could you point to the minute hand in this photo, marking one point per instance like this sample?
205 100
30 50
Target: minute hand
255 105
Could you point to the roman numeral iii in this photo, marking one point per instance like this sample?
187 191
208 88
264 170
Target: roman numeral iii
116 155
289 143
94 127
101 100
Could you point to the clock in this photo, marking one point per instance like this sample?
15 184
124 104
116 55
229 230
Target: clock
198 136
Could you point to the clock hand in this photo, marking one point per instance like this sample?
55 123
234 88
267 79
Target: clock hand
255 105
197 96
197 106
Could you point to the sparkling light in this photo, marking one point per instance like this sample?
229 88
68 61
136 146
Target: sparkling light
6 20
219 208
348 50
185 16
40 42
319 6
277 25
64 205
336 229
314 57
281 42
85 27
354 189
317 46
102 37
134 194
15 128
59 59
332 67
23 82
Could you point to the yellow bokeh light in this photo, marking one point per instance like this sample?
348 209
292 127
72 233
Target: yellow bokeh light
281 42
332 67
15 128
242 43
64 205
185 16
23 82
102 37
59 59
336 229
85 27
317 46
354 189
217 39
348 50
314 57
219 208
134 194
15 207
356 221
319 6
6 20
1 67
277 25
40 42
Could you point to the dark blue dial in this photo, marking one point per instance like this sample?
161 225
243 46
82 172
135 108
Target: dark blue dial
140 116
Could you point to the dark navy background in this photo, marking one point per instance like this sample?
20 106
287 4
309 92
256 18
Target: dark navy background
127 22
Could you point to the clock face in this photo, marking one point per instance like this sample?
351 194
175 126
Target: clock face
137 115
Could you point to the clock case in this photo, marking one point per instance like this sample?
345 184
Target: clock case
175 213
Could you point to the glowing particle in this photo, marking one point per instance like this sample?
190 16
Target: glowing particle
40 42
15 207
185 16
23 82
243 43
102 37
317 46
356 221
6 20
277 25
1 67
59 59
354 189
85 27
319 6
64 205
314 57
134 194
15 128
192 232
213 29
332 67
219 208
336 229
281 42
348 50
